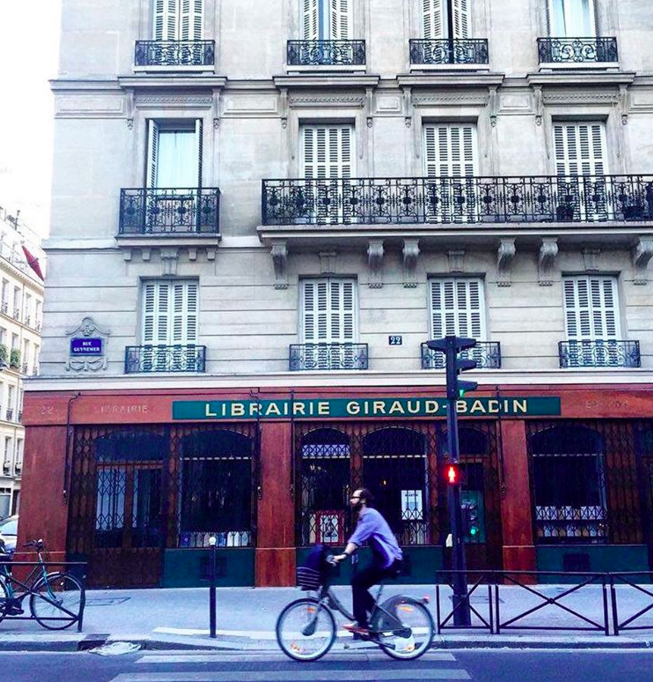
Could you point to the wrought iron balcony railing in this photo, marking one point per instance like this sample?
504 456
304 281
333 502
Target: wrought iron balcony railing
328 356
174 53
161 358
577 50
169 211
326 53
448 200
606 353
449 51
486 353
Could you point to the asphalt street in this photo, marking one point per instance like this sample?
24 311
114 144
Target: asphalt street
362 666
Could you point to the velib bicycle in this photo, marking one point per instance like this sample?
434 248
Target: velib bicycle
56 600
306 629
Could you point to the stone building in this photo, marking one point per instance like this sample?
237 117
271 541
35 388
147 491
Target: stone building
261 213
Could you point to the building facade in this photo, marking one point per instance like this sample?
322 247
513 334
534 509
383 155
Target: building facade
21 317
261 213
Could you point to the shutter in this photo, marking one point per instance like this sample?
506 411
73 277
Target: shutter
433 19
329 311
199 135
591 309
166 19
155 313
450 150
327 151
340 19
152 152
191 20
579 148
457 308
310 21
461 19
192 290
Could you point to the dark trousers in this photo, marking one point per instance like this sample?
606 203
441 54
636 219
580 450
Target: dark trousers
360 584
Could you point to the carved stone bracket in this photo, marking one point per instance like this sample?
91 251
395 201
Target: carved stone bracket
284 107
505 254
408 107
538 105
591 259
169 261
546 260
375 253
279 253
624 103
411 254
456 261
369 106
642 254
493 106
328 262
90 363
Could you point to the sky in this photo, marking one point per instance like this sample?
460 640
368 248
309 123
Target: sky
29 43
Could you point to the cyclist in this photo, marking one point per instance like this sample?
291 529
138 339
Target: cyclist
386 557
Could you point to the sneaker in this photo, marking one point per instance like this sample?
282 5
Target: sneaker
356 629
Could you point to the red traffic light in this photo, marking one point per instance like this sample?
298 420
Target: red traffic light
453 474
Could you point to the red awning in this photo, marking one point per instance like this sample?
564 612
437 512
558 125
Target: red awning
33 262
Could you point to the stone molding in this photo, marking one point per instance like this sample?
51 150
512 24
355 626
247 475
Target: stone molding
505 255
546 260
375 253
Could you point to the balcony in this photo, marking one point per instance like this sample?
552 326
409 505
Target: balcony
599 354
447 200
328 356
339 54
487 355
153 55
169 212
151 359
449 51
577 51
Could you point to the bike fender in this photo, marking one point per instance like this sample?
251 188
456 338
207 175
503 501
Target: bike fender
393 602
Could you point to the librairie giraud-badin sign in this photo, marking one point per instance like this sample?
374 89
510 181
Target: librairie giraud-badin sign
344 408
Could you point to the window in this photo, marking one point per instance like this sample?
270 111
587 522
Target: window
10 402
6 467
5 296
14 341
19 456
16 302
327 151
174 158
457 307
178 19
39 314
28 309
170 313
326 19
5 502
436 14
3 336
571 18
579 148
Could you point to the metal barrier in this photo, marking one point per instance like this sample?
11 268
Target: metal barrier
485 623
625 579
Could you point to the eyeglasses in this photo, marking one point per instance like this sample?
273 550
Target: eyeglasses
355 497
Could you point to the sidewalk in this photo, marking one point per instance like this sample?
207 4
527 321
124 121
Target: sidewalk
179 618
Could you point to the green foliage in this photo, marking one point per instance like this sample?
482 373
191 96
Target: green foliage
4 353
14 358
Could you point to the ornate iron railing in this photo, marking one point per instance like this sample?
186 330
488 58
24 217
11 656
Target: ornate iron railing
447 200
145 359
328 356
169 211
174 53
486 353
449 51
599 354
326 53
577 50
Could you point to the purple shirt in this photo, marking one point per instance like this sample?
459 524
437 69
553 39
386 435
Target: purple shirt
374 528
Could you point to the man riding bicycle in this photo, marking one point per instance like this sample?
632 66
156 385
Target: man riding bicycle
386 557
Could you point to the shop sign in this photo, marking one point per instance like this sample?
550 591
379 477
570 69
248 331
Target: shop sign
346 408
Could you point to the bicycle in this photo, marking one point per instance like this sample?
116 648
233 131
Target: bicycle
56 599
306 628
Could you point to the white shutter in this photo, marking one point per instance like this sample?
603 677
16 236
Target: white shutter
591 309
433 15
166 19
191 25
155 313
170 313
310 20
152 152
450 150
457 308
327 151
461 19
579 148
329 311
340 19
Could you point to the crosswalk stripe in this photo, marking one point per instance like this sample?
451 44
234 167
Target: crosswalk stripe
416 673
161 659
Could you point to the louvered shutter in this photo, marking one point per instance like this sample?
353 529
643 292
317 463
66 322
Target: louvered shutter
199 134
156 313
166 19
310 19
579 148
191 20
591 309
340 19
152 152
329 311
457 308
450 150
327 151
461 19
433 18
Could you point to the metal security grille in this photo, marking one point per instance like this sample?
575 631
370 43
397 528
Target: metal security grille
644 451
136 491
584 482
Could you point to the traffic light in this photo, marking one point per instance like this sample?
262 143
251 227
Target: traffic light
451 346
470 519
453 474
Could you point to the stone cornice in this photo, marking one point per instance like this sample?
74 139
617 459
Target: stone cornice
582 79
168 82
323 81
448 80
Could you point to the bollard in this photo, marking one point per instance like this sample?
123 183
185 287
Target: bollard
212 597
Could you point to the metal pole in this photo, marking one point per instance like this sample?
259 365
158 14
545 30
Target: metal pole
212 596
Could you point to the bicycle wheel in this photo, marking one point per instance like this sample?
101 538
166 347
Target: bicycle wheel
4 599
408 635
58 601
305 630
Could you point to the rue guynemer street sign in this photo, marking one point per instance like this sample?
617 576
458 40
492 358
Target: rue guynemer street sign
339 408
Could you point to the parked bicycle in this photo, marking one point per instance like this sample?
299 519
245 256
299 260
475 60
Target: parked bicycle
56 600
306 629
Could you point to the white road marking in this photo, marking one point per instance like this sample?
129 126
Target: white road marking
162 659
396 675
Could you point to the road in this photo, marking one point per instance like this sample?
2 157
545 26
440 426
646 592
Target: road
185 666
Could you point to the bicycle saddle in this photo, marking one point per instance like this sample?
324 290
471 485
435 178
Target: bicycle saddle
36 544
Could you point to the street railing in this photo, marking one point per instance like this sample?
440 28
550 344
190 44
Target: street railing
624 583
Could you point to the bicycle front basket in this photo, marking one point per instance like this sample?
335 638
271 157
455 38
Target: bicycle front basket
308 578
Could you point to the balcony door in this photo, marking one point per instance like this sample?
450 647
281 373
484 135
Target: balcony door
178 19
446 18
571 18
326 19
174 154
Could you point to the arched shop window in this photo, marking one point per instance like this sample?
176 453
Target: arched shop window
324 487
395 469
569 485
214 494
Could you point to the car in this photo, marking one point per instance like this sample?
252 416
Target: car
9 534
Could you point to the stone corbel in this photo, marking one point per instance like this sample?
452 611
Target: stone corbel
408 107
216 110
210 254
591 259
546 259
624 103
411 254
642 254
130 109
169 260
284 107
494 106
279 253
456 261
192 254
328 262
538 105
375 254
369 106
146 255
505 254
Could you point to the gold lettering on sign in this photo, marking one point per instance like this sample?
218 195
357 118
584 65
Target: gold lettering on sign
122 409
353 408
431 406
378 406
207 412
273 408
520 406
323 408
396 408
493 406
237 410
298 408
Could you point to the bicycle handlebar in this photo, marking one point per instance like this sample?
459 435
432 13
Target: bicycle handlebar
37 544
